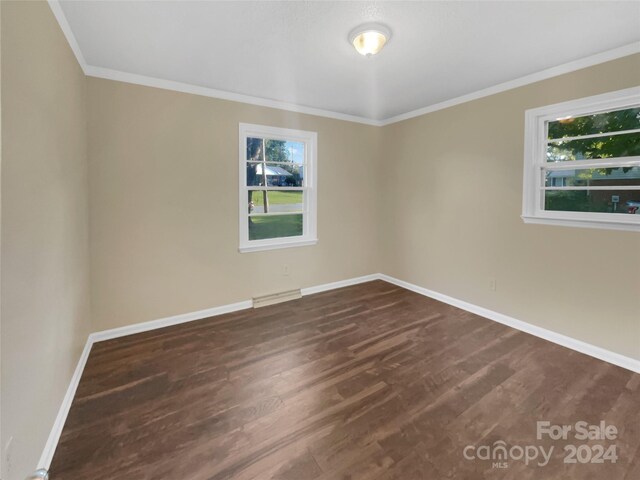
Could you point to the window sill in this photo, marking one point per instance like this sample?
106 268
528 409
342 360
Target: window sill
276 246
582 223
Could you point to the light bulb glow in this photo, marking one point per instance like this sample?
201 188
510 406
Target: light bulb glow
369 43
369 39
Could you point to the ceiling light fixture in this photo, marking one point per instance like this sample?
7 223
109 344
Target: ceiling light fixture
368 39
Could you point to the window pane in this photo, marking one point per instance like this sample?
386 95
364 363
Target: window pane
275 150
277 175
295 152
615 121
625 145
278 201
603 201
254 149
275 226
594 177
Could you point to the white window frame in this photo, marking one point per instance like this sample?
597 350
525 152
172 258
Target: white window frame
309 188
535 148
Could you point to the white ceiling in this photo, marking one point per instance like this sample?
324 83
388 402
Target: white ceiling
297 52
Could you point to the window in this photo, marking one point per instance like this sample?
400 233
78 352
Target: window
582 162
277 188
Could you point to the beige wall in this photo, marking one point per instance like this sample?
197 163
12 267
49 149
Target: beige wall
164 204
44 244
452 206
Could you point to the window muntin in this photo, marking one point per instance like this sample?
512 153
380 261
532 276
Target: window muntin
582 162
277 188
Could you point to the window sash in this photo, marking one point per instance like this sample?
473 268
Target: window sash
592 135
613 162
544 169
275 214
596 187
260 188
269 162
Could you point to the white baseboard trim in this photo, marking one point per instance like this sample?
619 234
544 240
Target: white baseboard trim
563 340
340 284
56 431
169 321
215 311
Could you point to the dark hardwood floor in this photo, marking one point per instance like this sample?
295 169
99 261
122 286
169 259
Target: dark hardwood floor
364 382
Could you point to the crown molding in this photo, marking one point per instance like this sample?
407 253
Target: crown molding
68 33
119 76
569 67
109 74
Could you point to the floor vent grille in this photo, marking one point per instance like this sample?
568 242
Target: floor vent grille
274 298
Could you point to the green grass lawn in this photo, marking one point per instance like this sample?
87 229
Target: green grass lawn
275 226
277 197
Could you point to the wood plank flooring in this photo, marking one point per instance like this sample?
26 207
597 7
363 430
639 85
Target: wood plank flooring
365 382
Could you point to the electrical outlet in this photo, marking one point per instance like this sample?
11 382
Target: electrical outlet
285 270
492 284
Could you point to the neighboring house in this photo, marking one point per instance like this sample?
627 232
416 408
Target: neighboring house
276 176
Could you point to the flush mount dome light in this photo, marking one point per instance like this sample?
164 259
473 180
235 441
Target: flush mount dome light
368 39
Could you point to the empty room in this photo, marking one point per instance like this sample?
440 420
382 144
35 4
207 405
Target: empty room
319 240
